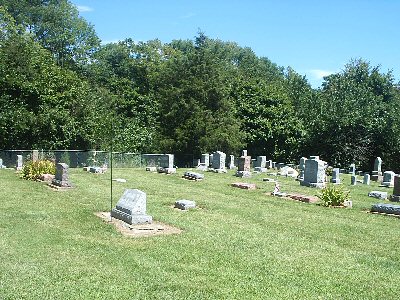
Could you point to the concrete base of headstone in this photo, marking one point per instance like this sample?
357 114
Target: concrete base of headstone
387 184
378 194
386 208
131 219
394 198
166 170
319 185
185 204
151 169
243 174
261 170
245 186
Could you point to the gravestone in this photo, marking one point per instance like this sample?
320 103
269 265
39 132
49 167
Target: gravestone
352 169
166 164
231 163
388 179
193 175
314 173
274 165
244 166
353 180
1 164
386 208
244 185
61 179
378 195
131 208
377 172
366 179
396 189
185 204
204 162
335 176
35 155
19 163
219 162
196 162
260 164
269 164
244 153
210 161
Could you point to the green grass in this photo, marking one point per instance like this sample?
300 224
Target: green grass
240 245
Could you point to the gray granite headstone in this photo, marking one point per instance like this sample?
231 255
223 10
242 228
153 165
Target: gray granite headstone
386 208
377 172
219 162
353 179
388 179
61 178
367 179
378 194
131 208
185 204
19 163
335 176
314 173
260 165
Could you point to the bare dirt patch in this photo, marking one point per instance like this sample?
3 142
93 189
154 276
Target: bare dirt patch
140 230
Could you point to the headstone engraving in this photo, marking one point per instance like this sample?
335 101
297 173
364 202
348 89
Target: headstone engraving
61 179
19 163
377 172
335 176
131 208
388 179
367 179
314 173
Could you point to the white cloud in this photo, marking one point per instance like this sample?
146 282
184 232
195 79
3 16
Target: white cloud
83 8
320 74
188 16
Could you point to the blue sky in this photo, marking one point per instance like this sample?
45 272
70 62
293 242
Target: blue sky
315 38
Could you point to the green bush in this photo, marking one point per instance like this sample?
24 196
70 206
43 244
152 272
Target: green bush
333 196
32 170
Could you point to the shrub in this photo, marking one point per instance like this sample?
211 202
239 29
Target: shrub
32 170
333 196
329 171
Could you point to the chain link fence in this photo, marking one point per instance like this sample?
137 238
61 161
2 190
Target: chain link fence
82 158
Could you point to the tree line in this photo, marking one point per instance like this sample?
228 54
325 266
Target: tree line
62 89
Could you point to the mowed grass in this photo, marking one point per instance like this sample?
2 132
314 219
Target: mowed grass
239 245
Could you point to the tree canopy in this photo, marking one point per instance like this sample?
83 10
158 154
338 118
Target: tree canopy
61 89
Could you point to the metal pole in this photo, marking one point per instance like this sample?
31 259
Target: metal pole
111 168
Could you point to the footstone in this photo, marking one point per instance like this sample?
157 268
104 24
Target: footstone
151 169
131 208
185 204
386 208
245 186
193 175
378 194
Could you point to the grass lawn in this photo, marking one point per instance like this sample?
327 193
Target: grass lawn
240 245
